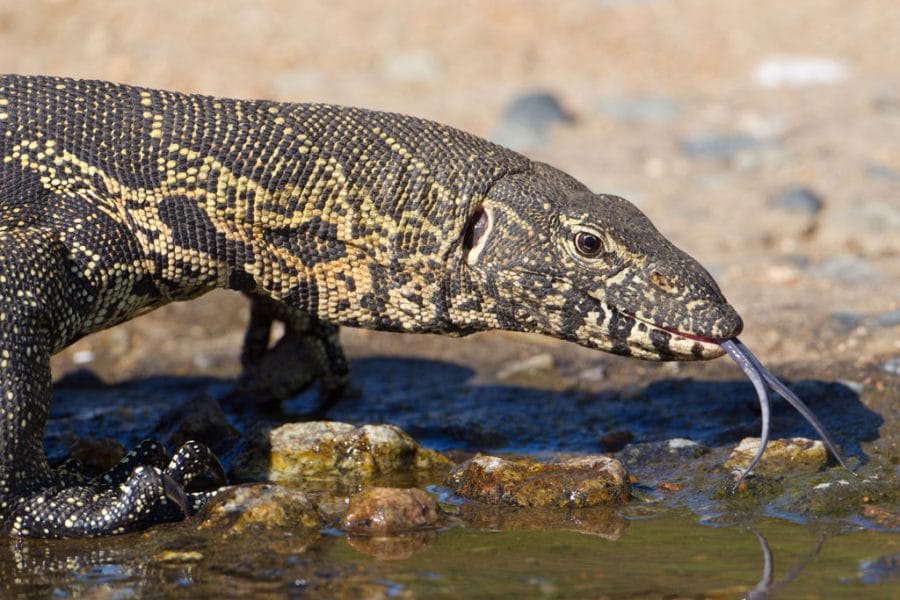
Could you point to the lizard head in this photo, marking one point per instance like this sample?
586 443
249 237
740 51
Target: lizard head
554 258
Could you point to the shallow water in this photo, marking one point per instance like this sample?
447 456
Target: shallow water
666 554
680 538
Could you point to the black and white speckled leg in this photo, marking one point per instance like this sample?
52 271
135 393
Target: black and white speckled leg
143 489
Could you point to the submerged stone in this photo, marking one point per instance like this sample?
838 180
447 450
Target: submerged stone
783 456
199 419
327 449
574 483
390 510
238 509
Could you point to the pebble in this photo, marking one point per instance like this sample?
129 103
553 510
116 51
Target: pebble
640 110
884 320
882 570
723 147
867 227
782 456
297 451
413 66
581 482
892 366
798 199
879 171
845 268
800 71
259 507
527 120
383 510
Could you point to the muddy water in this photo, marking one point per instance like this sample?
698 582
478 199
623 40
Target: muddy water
684 534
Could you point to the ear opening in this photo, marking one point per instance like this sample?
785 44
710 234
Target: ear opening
480 225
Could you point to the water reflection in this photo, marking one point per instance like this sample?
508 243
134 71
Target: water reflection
766 588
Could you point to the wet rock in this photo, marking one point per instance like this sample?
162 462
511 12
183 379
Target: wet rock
613 441
722 147
641 109
97 455
390 510
327 449
259 507
800 71
527 121
574 483
80 379
200 419
600 520
846 496
781 456
883 517
650 454
801 200
884 569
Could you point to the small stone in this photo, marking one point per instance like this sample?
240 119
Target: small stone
884 320
415 66
882 570
259 507
178 556
527 120
574 483
613 441
200 419
782 456
878 171
384 510
845 268
891 365
641 109
723 147
97 455
889 519
297 451
800 71
539 364
846 320
798 199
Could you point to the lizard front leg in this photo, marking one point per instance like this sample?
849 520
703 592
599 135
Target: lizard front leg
37 305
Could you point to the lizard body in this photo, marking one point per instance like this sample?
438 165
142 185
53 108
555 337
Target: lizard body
115 200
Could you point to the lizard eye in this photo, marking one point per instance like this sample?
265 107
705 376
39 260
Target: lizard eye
588 244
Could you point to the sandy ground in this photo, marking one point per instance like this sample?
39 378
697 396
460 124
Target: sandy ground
702 114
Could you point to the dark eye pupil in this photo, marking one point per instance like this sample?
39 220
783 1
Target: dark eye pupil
588 244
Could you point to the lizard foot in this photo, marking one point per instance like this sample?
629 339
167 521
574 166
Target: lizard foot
144 488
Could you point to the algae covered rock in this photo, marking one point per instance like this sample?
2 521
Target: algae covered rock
259 507
782 456
298 451
573 483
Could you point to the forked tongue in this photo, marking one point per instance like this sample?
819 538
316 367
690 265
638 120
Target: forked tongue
757 373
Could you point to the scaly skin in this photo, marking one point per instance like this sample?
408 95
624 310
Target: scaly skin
115 200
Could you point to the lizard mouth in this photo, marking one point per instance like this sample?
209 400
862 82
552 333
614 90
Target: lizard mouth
669 343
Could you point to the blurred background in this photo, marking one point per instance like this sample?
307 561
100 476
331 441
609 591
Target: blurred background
761 136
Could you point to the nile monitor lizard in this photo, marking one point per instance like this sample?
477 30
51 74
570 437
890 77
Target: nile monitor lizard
115 200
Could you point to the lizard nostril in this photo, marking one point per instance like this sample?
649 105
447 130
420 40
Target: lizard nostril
662 282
